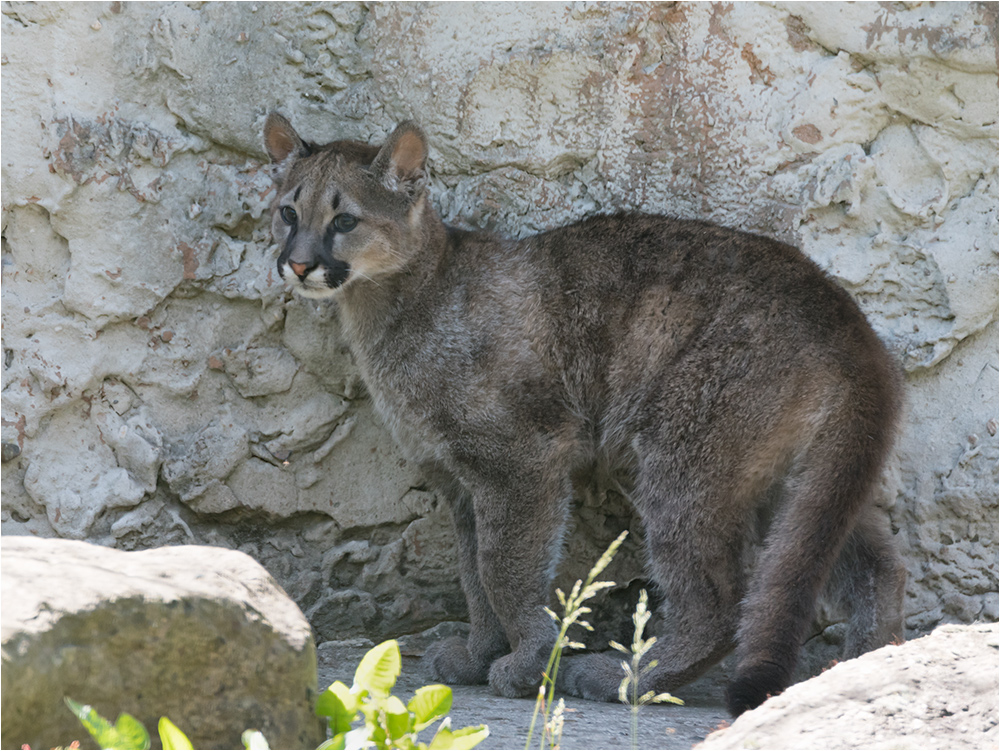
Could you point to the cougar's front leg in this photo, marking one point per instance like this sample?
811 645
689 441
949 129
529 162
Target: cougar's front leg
519 524
458 660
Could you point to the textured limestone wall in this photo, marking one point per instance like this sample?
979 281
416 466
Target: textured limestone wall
161 387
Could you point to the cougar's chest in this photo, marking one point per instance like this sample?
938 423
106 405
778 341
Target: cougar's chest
462 393
412 428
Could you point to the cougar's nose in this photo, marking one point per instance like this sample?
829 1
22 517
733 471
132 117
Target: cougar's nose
300 269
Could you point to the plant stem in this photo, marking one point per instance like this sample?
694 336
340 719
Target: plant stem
572 610
539 702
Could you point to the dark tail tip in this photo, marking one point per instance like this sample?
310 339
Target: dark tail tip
753 686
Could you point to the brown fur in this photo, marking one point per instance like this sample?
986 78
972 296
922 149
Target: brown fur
723 373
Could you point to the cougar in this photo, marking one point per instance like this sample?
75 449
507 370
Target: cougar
724 374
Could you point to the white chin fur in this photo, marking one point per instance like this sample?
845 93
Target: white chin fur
313 293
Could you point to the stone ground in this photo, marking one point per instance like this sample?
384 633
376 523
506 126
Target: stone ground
588 724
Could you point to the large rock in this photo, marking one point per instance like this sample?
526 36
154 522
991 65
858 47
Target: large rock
200 635
936 692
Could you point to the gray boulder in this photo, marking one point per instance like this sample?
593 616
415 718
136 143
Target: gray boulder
939 691
201 635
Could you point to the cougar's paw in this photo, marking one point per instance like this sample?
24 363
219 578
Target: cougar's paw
594 676
449 661
752 686
513 677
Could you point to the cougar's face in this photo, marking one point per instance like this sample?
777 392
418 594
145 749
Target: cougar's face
312 221
346 211
328 237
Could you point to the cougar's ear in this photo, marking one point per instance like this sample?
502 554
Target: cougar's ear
401 163
280 139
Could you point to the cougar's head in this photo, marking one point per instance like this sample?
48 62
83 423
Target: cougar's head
345 211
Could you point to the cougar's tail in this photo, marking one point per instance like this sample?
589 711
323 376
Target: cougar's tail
832 482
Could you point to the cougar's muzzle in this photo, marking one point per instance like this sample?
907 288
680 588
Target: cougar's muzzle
308 266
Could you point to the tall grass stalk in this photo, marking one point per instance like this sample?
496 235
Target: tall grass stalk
628 691
573 612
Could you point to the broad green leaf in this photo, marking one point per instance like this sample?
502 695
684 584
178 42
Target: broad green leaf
96 725
374 733
360 738
429 703
171 737
254 740
127 732
337 743
465 738
339 705
379 668
397 718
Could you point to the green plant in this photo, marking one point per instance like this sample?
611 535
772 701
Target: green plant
573 610
388 723
628 691
128 733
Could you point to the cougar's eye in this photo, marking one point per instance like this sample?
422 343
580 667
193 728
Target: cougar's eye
288 215
345 222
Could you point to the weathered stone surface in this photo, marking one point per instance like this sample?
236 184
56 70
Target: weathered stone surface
936 692
160 387
200 635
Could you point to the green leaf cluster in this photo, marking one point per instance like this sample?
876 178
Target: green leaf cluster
128 734
387 722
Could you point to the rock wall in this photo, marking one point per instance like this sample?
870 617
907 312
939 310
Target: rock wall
160 386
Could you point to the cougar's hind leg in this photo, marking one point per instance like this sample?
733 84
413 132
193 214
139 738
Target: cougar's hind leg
869 582
467 661
830 484
696 560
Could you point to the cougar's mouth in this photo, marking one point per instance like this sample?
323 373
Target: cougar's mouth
319 282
